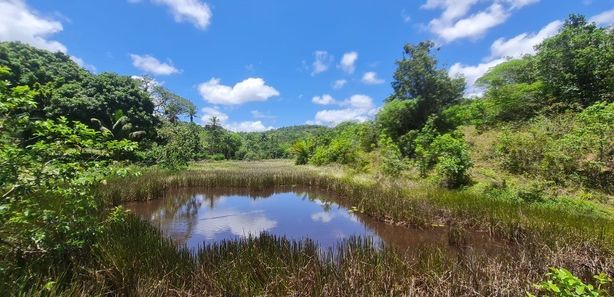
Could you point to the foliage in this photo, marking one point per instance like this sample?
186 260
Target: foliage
572 148
47 210
419 80
302 150
65 89
180 143
392 163
576 64
276 143
562 283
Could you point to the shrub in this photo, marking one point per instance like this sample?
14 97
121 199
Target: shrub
302 150
392 160
447 153
562 283
453 159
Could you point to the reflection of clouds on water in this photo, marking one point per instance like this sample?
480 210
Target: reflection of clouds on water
238 223
322 216
352 217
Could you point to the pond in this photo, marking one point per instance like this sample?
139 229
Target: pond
194 217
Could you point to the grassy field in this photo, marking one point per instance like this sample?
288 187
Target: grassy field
134 259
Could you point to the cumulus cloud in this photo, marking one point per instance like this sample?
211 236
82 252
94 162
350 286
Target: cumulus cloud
251 89
210 112
456 22
500 51
523 44
348 62
370 78
338 84
605 18
323 100
150 64
246 126
19 23
474 26
193 11
234 221
322 60
358 108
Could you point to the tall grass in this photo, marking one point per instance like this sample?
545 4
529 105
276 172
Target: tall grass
385 200
133 258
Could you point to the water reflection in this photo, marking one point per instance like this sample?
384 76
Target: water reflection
198 216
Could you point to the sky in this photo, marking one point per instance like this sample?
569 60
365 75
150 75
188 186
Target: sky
264 64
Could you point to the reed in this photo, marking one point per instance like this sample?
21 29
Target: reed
386 200
132 258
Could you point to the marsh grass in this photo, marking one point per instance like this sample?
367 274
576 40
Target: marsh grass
133 258
385 200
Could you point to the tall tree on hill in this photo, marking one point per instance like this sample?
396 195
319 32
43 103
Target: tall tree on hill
577 65
425 88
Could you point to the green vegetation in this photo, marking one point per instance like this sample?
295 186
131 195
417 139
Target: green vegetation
530 165
562 283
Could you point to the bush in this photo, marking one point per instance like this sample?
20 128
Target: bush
302 150
447 153
392 160
562 283
453 160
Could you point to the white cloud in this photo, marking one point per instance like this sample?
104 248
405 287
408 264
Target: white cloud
474 26
453 9
520 3
605 18
338 84
321 62
472 73
322 216
248 126
358 108
152 65
323 100
194 11
456 23
348 62
251 89
500 51
19 23
210 112
523 44
370 78
234 221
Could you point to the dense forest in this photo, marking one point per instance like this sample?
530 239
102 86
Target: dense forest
541 133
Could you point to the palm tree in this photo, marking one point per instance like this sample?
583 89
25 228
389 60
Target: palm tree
120 128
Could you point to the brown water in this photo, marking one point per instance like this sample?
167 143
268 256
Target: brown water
194 217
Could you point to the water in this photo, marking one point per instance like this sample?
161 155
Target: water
194 217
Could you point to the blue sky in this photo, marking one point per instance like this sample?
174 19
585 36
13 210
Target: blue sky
259 64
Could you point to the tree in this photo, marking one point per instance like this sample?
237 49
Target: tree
214 133
418 79
168 104
577 65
